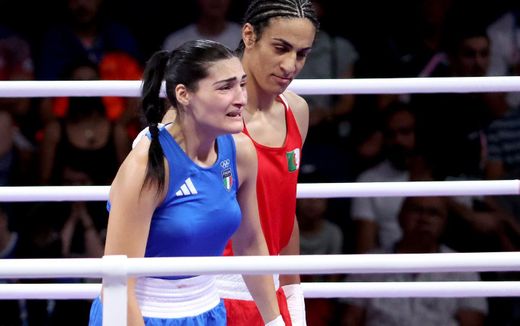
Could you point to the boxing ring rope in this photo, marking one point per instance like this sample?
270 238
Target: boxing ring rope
122 267
131 88
115 269
89 291
304 190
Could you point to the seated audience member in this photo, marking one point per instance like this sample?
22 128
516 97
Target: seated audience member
422 220
211 24
375 219
332 56
318 236
16 64
16 160
8 250
504 34
502 159
84 138
457 151
85 32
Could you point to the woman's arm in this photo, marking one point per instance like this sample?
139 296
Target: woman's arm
121 141
292 248
91 238
249 239
300 110
51 137
130 216
291 283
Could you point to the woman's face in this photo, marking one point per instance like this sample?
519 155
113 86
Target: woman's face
275 59
218 102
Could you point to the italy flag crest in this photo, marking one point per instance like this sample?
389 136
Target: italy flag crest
227 179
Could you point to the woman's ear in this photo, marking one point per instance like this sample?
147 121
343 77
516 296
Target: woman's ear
182 94
248 35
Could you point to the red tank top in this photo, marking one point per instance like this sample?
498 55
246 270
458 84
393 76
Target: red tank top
277 178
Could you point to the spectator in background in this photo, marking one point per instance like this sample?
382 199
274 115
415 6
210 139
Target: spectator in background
504 34
427 49
16 159
39 239
503 156
375 219
16 63
422 220
318 236
84 138
452 136
331 57
86 33
8 250
457 151
81 226
503 159
211 24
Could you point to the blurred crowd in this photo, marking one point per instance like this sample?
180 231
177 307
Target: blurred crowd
352 138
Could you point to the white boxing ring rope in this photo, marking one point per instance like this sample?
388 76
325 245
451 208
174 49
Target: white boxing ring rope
120 266
131 88
304 190
115 269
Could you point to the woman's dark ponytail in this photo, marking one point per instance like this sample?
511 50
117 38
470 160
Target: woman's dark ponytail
154 108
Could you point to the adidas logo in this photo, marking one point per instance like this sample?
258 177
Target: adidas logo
186 189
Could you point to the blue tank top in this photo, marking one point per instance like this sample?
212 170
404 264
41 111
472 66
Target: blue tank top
200 211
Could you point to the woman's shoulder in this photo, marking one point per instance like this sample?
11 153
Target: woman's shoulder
245 147
300 110
243 142
295 101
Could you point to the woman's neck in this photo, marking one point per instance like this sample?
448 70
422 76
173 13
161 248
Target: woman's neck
196 143
258 99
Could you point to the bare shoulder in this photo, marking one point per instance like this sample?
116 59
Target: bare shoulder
245 148
134 165
300 110
296 102
247 162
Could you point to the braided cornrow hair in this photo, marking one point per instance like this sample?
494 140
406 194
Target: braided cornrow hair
260 12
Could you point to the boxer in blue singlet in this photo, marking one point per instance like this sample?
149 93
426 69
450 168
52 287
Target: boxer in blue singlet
188 188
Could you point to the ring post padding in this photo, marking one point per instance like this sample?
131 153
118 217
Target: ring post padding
115 294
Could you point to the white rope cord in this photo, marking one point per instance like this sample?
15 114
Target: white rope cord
131 88
115 269
303 264
304 190
110 266
63 291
